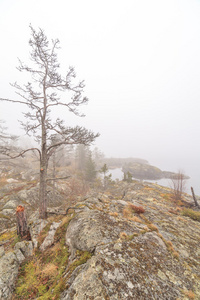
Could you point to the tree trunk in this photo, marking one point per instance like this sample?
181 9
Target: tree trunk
194 197
54 175
43 181
43 193
43 172
22 229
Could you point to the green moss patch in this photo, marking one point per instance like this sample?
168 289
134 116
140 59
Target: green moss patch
192 214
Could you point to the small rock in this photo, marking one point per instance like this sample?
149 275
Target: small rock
2 251
19 255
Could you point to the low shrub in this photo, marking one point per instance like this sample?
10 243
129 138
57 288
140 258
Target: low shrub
192 214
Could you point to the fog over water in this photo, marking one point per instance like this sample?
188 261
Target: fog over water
141 65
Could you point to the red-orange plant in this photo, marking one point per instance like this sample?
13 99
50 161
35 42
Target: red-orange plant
137 209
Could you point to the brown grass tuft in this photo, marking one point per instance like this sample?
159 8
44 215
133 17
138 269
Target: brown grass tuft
123 235
50 270
135 219
189 294
152 227
136 209
114 214
127 213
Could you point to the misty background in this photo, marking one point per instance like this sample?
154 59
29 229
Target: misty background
141 64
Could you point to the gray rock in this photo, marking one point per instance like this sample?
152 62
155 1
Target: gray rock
89 229
122 202
11 180
48 241
2 251
132 259
19 255
26 248
7 212
9 265
12 204
35 228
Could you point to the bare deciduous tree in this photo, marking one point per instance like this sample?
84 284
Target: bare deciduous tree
41 96
178 185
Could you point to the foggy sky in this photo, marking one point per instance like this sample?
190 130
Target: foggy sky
141 65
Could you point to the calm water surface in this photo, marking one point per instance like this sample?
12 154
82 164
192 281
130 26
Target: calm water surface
194 180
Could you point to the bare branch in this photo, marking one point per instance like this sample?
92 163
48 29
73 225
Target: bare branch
7 150
57 178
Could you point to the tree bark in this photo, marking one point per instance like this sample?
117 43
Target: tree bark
43 194
22 229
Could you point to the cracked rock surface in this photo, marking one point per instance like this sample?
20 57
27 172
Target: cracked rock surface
154 255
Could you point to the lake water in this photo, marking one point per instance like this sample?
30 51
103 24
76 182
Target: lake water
193 181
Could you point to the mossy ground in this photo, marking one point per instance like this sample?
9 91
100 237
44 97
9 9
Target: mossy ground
192 214
9 239
42 276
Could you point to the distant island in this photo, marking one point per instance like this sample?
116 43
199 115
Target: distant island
145 171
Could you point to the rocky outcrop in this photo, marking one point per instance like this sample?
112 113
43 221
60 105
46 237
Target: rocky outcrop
130 242
149 256
25 194
9 265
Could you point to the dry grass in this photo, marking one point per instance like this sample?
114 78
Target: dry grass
152 227
169 243
175 254
123 235
50 270
3 181
65 220
113 214
55 248
135 219
189 294
173 211
192 214
169 246
181 219
127 213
